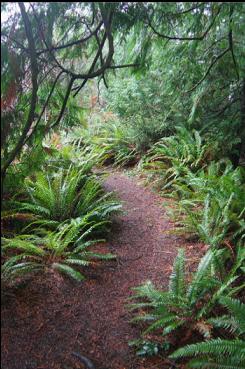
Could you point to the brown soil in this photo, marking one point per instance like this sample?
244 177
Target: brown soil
48 317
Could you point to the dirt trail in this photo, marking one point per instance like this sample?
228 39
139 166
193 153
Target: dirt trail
43 323
144 252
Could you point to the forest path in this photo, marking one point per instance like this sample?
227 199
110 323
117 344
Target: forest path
145 252
49 317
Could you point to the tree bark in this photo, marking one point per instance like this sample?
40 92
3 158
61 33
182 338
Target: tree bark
240 147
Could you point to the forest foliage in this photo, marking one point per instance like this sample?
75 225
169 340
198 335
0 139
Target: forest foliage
156 86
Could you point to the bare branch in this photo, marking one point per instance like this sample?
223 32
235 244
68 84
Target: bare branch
188 10
68 91
194 38
208 70
91 73
98 54
44 106
72 43
123 66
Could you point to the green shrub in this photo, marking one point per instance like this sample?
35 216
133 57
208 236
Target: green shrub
63 251
172 157
113 142
144 132
123 142
65 195
220 353
212 201
28 164
187 306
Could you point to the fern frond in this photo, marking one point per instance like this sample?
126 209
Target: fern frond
68 271
216 347
177 278
237 310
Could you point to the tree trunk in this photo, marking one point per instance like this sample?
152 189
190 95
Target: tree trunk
240 147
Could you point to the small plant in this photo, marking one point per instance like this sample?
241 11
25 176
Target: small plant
186 307
220 353
67 195
115 143
212 202
68 154
149 348
176 154
63 251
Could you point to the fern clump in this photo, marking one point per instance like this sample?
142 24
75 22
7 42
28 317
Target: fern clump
114 142
187 306
66 195
176 154
64 251
72 152
212 202
220 353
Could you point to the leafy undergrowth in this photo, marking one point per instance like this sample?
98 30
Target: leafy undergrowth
177 116
196 306
55 217
90 316
204 195
206 202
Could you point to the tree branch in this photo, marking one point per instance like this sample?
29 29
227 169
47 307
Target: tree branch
44 106
91 73
98 54
194 38
107 35
123 66
68 91
72 43
208 70
230 36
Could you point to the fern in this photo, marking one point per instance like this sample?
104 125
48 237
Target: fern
177 278
186 305
212 203
62 250
237 313
220 353
181 151
66 195
215 354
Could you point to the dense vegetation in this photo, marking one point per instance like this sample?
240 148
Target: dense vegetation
172 105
